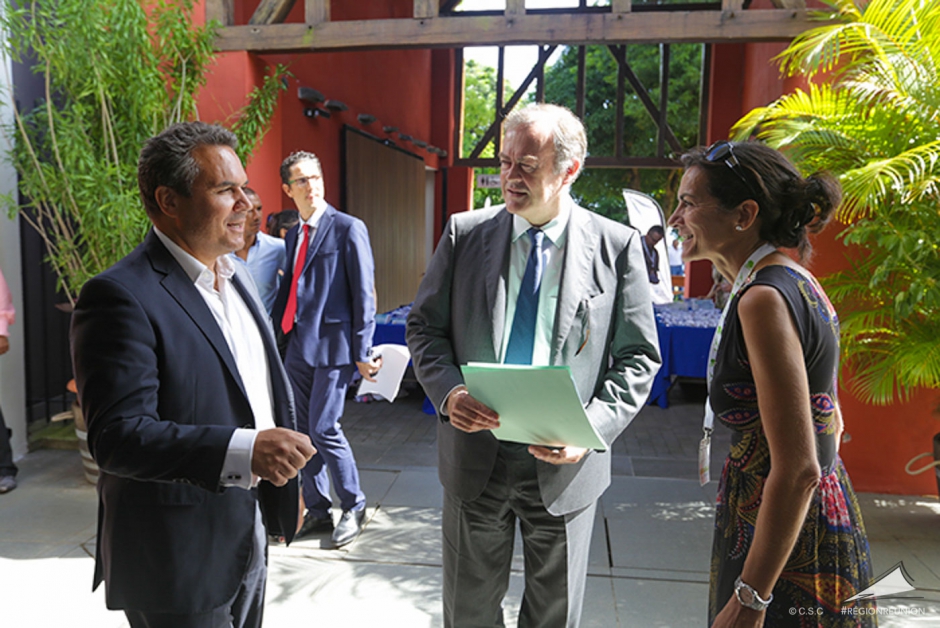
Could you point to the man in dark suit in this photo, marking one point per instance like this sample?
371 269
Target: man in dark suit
538 281
326 309
186 400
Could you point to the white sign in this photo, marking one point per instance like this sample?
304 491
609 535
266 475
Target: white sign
487 180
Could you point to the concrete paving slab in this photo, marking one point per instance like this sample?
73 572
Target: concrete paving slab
690 575
400 535
648 541
416 487
28 584
304 591
626 492
660 604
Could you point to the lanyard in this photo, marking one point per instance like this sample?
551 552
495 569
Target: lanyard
743 278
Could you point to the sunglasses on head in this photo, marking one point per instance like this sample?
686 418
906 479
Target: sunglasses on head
723 151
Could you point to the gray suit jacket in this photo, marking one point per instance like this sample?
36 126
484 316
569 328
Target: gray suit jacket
604 330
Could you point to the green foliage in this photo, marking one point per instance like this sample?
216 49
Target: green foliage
479 112
877 126
114 76
600 189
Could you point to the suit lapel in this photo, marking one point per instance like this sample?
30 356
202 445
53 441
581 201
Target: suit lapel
576 273
323 227
496 242
181 288
290 243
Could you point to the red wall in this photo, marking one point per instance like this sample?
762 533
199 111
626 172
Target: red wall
393 86
883 438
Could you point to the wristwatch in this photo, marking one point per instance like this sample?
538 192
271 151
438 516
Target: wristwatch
748 596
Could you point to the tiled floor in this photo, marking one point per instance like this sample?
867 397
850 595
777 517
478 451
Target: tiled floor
648 563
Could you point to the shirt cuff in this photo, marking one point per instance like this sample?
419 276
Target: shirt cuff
236 468
443 409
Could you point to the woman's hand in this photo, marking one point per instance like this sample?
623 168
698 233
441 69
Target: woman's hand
734 615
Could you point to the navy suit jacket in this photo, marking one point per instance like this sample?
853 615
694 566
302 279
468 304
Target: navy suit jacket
162 396
335 292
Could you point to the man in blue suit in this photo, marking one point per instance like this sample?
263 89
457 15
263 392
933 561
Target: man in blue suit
326 309
186 400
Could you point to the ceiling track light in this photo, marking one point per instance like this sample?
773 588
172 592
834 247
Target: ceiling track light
309 95
335 105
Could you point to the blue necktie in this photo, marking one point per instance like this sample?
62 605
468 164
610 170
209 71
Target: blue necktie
522 336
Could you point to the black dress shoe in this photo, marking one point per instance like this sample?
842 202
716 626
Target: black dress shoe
349 527
314 525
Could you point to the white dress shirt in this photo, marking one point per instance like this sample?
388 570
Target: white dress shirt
243 338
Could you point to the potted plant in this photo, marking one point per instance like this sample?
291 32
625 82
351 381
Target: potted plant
875 122
116 72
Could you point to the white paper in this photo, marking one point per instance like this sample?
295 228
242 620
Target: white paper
395 360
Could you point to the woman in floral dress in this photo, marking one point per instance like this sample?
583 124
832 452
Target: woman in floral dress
789 547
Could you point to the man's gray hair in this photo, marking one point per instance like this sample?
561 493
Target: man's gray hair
167 159
567 132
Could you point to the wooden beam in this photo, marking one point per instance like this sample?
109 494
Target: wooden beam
271 11
515 8
621 6
222 11
581 88
426 9
730 6
316 11
620 54
531 29
544 54
644 97
789 4
460 98
662 124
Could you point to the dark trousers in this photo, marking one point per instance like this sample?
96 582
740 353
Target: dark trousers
478 547
245 610
6 451
320 396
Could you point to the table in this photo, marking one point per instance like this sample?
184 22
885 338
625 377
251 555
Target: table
685 337
392 332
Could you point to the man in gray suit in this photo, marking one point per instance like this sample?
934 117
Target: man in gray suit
574 292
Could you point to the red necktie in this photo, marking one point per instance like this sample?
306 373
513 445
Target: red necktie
290 311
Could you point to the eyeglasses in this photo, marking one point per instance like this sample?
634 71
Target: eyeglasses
304 180
723 151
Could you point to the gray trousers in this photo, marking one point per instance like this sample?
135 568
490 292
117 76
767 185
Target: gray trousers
478 546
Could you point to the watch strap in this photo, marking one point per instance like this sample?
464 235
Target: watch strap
751 598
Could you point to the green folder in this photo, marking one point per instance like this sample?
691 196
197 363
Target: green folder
537 405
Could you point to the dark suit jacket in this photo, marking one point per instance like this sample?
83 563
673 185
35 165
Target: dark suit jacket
335 292
162 396
604 331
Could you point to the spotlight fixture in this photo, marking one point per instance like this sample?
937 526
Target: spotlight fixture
389 129
420 143
404 138
309 95
365 118
335 105
442 152
316 112
434 149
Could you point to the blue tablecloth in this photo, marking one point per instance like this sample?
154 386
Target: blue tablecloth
685 337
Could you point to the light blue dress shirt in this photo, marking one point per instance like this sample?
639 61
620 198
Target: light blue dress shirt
267 262
553 253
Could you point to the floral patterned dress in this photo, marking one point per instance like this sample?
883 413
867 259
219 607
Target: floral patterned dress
830 561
